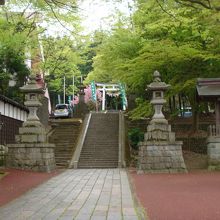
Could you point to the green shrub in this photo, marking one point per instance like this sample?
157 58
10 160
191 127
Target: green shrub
135 135
143 109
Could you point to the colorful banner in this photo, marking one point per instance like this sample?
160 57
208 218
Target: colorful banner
69 99
93 88
123 95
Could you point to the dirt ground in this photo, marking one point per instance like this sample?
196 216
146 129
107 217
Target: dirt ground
16 182
191 196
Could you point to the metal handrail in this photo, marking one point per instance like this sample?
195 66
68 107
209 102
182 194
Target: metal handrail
121 156
75 159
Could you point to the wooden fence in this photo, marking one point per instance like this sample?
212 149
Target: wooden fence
12 115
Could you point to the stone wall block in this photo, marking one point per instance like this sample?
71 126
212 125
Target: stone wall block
29 138
31 130
41 138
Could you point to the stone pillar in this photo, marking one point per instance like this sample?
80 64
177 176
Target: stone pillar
32 151
213 141
160 152
213 151
217 116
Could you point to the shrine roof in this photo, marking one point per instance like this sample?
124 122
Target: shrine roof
208 87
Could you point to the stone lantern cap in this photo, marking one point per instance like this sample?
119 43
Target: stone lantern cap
31 87
81 89
157 85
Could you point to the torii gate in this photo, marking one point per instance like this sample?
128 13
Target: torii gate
104 87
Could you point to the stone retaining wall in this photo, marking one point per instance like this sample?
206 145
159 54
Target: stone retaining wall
195 144
3 154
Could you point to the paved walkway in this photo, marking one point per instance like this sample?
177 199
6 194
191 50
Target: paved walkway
77 194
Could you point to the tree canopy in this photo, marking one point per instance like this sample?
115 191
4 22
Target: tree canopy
181 42
179 38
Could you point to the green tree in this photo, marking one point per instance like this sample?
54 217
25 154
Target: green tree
61 59
181 42
21 31
12 56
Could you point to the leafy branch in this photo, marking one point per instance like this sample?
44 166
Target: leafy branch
204 3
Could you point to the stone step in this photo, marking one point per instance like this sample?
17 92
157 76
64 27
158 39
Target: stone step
94 154
101 141
87 166
63 149
99 153
103 156
101 144
63 159
64 136
63 154
100 149
111 153
97 162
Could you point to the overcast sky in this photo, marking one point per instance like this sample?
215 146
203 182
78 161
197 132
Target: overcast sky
95 12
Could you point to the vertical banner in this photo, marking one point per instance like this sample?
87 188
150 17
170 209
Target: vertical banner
93 88
69 99
123 96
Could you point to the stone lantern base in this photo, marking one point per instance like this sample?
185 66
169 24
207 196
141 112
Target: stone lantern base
161 157
31 152
160 152
31 156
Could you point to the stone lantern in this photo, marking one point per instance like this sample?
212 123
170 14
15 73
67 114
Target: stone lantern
160 152
81 108
32 151
32 95
158 88
81 93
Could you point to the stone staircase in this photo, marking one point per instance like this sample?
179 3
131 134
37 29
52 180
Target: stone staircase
64 136
101 145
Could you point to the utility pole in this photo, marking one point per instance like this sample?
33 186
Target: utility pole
64 89
73 90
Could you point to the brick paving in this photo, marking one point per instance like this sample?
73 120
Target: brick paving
81 194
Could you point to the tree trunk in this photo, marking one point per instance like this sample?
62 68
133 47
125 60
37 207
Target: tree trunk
195 113
180 105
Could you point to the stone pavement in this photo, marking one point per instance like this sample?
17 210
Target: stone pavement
80 194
